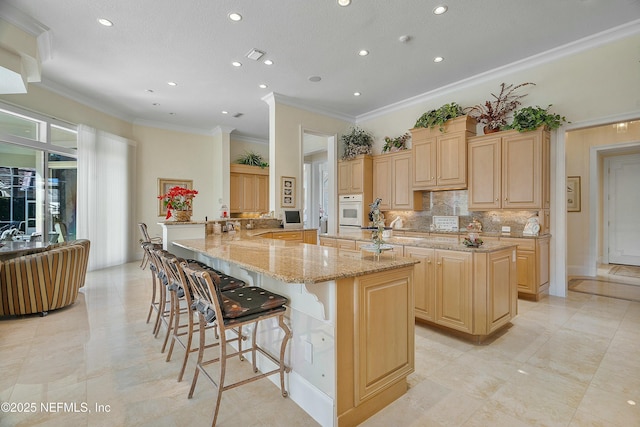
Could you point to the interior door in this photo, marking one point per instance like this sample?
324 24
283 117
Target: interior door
623 175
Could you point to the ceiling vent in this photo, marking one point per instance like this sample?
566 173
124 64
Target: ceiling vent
237 115
255 54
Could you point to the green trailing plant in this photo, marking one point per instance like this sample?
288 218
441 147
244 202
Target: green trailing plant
439 116
531 118
396 144
252 159
356 142
494 114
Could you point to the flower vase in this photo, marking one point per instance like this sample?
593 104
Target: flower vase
181 216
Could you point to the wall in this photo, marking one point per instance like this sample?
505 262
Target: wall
579 144
240 147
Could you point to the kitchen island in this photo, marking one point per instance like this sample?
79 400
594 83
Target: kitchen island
351 316
470 291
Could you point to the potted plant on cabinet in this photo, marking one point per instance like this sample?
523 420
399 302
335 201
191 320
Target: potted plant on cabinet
252 159
357 141
439 116
494 114
396 144
531 118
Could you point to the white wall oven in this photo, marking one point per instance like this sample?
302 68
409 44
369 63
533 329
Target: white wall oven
351 209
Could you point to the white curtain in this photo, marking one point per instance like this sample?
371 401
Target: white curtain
106 194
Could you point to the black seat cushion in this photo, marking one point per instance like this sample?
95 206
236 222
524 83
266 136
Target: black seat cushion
249 300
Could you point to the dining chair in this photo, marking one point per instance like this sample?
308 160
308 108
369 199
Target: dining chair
250 305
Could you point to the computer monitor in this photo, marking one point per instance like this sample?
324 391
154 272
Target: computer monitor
292 219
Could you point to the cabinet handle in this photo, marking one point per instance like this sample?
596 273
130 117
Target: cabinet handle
497 199
438 263
431 177
505 199
428 261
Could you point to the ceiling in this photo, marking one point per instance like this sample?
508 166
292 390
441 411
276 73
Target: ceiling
124 69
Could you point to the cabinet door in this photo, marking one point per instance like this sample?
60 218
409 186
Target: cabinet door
344 177
311 237
453 290
382 181
262 193
248 193
236 192
423 281
501 290
424 163
291 236
485 169
402 190
328 241
452 161
357 175
522 171
542 262
346 244
526 264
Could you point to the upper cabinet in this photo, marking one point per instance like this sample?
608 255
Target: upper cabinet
509 170
392 181
440 158
249 188
355 176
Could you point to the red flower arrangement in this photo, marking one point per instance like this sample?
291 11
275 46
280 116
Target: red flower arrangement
177 198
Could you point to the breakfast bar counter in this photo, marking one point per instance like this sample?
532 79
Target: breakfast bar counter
351 315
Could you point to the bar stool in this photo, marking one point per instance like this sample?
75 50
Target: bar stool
179 291
235 309
157 287
157 243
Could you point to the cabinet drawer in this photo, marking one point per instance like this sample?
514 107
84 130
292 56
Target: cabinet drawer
328 241
523 244
288 235
345 244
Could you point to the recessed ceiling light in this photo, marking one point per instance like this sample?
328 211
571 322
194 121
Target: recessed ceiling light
236 64
225 112
235 16
105 22
404 39
268 62
356 93
172 83
262 86
315 79
363 52
440 10
344 2
438 59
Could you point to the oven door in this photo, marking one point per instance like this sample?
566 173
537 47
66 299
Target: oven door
350 211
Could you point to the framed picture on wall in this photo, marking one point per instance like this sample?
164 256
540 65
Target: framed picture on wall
165 184
573 194
288 188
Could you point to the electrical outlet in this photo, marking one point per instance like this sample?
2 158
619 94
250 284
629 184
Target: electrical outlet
308 352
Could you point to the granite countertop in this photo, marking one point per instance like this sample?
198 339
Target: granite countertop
482 233
291 262
423 242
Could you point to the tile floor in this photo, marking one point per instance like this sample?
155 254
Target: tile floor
571 361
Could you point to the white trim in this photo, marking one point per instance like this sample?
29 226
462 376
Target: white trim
220 130
242 138
554 54
285 100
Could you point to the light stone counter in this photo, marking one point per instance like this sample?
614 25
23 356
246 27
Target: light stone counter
289 262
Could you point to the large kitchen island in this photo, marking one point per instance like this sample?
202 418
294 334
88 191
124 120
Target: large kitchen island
351 315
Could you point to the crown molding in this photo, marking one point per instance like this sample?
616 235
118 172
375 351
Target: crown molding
242 138
219 130
274 97
593 41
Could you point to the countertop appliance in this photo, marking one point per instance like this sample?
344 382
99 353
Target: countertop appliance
351 208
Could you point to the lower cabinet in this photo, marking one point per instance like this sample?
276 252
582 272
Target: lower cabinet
338 243
533 266
471 292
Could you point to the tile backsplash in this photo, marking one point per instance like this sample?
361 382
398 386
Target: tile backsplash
455 202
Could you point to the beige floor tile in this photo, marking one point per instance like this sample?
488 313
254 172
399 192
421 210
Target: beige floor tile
562 362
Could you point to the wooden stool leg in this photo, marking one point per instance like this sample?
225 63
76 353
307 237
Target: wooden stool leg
153 295
283 347
201 345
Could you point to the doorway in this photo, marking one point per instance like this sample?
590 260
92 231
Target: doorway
317 186
622 230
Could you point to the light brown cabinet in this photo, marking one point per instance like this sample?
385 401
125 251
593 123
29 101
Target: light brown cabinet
355 176
392 181
533 266
249 189
474 293
298 236
440 158
338 243
509 170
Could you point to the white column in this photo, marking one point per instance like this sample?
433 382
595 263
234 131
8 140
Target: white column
220 168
